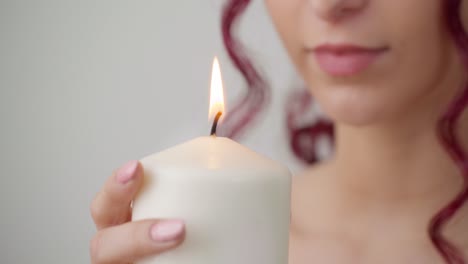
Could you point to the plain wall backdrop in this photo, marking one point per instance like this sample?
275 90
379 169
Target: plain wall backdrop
87 85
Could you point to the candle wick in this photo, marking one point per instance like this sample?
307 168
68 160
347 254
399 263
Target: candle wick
215 124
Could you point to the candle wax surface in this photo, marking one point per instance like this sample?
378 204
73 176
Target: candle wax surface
235 202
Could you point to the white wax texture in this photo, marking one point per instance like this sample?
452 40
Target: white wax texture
236 203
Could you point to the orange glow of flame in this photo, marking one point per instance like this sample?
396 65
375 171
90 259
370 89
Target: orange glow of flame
216 93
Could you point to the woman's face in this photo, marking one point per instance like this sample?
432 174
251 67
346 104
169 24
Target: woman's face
368 60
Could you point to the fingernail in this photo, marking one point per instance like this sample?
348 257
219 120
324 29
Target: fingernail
127 172
167 230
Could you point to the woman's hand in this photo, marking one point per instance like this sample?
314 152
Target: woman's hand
118 240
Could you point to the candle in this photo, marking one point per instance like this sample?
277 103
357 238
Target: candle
235 202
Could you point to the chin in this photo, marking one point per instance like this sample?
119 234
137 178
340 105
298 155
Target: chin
354 117
352 108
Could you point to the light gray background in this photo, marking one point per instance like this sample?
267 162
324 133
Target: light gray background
87 85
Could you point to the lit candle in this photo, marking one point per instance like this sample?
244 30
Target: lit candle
235 202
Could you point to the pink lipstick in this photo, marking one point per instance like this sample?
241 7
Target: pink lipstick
345 59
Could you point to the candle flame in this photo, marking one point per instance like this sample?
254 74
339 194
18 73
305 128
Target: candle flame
217 93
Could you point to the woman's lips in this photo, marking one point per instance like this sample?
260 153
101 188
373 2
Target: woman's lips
345 60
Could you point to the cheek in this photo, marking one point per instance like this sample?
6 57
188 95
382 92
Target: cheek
285 17
420 58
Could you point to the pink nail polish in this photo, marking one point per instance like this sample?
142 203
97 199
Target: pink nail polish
167 230
127 172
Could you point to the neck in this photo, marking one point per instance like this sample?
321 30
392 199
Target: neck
381 164
401 162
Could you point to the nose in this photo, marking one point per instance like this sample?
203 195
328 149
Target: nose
333 10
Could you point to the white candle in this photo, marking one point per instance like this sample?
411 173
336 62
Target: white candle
235 202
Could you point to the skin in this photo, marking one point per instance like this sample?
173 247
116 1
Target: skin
371 202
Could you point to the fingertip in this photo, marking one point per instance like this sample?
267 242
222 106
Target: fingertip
168 230
139 169
128 172
132 241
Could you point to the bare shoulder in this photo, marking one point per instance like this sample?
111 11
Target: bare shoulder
457 230
463 237
462 226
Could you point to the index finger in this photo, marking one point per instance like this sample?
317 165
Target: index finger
111 206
